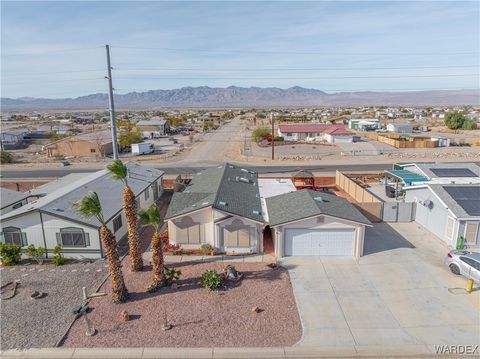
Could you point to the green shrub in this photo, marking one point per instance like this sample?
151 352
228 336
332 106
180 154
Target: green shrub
6 157
207 249
260 133
58 258
171 274
10 253
36 253
469 125
279 139
211 280
454 120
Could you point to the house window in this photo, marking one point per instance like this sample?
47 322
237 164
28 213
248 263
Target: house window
73 237
14 235
92 150
288 134
155 190
188 232
471 233
138 202
449 228
236 234
147 193
117 223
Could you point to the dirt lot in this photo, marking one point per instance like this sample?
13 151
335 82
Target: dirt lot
200 318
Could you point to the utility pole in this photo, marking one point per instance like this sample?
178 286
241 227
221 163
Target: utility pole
273 135
112 108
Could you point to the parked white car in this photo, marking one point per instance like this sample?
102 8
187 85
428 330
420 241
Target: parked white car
464 263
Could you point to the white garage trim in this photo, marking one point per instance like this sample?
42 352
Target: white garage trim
332 241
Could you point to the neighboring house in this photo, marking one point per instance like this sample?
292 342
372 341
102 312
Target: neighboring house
448 210
221 207
153 128
445 173
364 124
310 223
11 200
12 140
92 144
315 132
399 127
51 219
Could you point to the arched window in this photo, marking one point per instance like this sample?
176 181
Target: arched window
14 235
73 237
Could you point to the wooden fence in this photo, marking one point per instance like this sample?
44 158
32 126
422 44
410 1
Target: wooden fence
370 205
397 141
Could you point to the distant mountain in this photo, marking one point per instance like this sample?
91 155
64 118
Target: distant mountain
242 97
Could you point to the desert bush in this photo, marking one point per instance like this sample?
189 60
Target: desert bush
6 157
260 133
207 249
36 253
469 125
10 253
58 258
211 279
171 274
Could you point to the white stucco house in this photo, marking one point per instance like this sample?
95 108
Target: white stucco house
399 127
51 220
315 132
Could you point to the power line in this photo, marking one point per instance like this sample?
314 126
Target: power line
298 78
51 73
293 69
294 52
60 81
33 53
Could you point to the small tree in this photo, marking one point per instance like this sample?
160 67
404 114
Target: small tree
454 120
129 136
88 207
469 125
151 217
119 172
260 133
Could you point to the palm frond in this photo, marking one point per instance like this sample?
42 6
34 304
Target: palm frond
150 216
89 206
118 170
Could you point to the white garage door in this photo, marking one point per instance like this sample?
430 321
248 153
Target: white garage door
315 242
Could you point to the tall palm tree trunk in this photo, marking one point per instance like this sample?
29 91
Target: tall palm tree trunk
120 292
157 259
135 249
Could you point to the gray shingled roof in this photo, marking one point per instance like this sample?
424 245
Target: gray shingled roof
306 203
9 197
109 191
152 122
227 188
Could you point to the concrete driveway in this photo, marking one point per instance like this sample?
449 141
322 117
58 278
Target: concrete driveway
396 295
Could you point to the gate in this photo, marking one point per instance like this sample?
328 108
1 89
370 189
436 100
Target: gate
398 212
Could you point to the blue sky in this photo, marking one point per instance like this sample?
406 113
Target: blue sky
54 49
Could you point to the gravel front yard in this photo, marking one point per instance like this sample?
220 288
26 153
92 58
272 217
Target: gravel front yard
29 323
200 318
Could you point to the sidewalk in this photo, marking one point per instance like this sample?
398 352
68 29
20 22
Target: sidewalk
404 351
219 258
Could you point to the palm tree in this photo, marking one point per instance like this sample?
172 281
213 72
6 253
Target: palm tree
119 172
151 217
89 206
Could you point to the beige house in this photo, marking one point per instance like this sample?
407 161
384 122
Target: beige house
92 144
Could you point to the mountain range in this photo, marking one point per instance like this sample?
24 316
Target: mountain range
243 97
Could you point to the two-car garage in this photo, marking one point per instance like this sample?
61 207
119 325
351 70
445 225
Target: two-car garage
319 242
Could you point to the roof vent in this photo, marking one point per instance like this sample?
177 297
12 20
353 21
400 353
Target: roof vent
204 203
58 209
244 170
223 203
244 180
319 199
194 205
256 212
